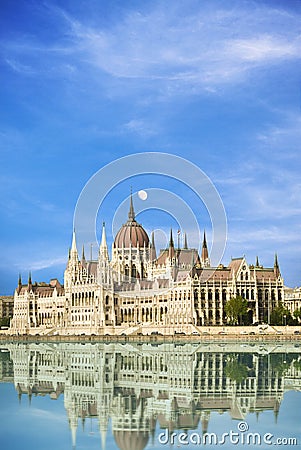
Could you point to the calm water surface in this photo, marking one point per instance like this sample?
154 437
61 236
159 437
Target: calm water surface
150 396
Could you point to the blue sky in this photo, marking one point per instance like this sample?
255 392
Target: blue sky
85 82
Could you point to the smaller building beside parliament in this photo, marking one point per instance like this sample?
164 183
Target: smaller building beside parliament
137 291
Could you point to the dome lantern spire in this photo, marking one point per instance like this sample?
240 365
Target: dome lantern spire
131 211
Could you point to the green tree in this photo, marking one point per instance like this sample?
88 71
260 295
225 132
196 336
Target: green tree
235 370
4 322
297 314
281 316
235 308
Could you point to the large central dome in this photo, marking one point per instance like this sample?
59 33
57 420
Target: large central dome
131 233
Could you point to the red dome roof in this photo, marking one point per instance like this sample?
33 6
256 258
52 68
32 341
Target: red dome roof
131 233
131 440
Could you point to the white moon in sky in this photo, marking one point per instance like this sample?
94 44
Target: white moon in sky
142 195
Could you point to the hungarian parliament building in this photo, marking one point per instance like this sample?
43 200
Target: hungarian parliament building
139 290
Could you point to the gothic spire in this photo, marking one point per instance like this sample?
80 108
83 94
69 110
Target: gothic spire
19 284
73 247
171 251
131 211
185 242
103 243
83 254
103 248
257 262
103 434
29 282
205 256
153 247
171 244
276 266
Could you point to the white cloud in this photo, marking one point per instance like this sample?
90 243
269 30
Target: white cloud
204 47
139 127
43 263
264 49
19 67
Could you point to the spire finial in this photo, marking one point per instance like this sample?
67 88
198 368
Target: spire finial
257 262
20 280
131 211
83 253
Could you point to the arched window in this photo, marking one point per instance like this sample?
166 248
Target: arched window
126 270
134 271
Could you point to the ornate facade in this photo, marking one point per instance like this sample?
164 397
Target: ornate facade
136 290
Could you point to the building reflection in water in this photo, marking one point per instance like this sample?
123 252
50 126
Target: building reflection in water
136 387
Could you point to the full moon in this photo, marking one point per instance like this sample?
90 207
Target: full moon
142 195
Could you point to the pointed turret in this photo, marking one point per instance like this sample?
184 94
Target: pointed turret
29 282
131 211
73 247
171 243
205 257
73 436
276 266
103 434
103 243
19 390
185 242
104 273
171 249
73 427
257 262
153 253
103 248
83 254
276 411
19 284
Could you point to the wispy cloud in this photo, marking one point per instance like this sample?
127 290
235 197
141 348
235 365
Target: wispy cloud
19 67
175 45
139 127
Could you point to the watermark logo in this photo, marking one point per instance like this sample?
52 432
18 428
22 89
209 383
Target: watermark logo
241 436
169 167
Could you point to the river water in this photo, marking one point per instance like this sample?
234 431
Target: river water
135 396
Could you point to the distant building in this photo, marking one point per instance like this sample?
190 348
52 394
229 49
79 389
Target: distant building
6 306
176 290
292 299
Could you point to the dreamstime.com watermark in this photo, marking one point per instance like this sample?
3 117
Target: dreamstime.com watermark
240 437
